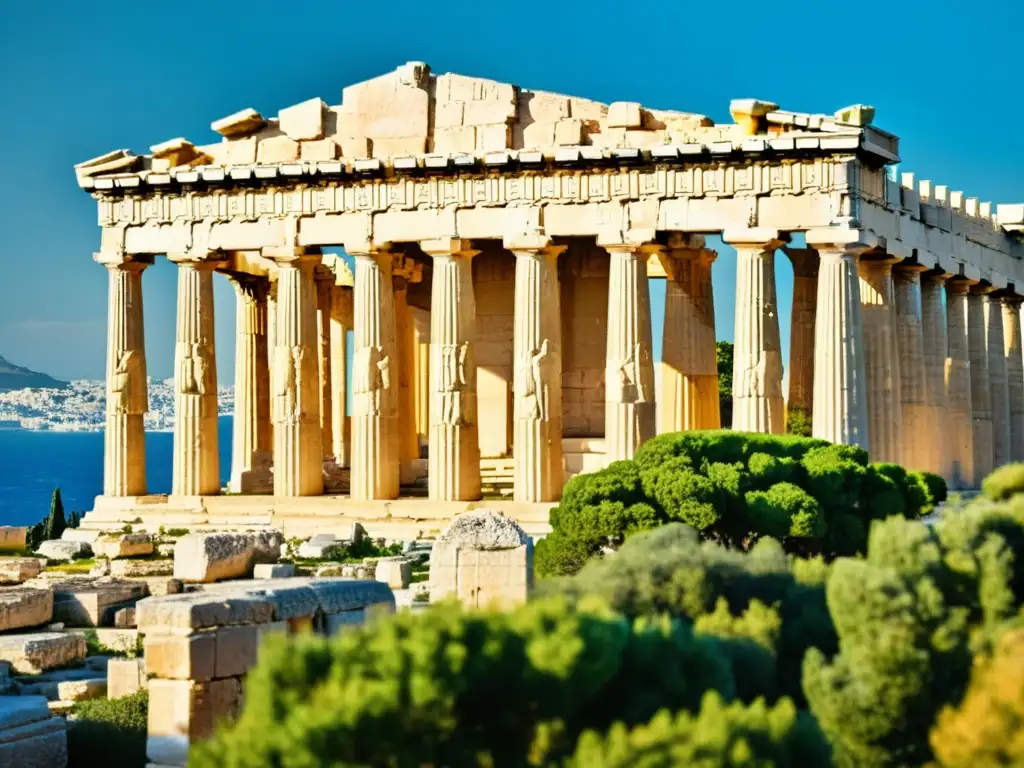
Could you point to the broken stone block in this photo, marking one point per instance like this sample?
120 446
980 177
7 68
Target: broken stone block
183 711
623 114
236 650
304 120
25 608
181 657
30 735
319 545
123 545
61 549
35 652
136 569
179 151
82 690
396 572
857 114
488 112
118 640
209 557
277 149
355 147
81 534
749 114
125 677
12 539
273 571
569 132
239 124
93 603
15 570
124 618
536 135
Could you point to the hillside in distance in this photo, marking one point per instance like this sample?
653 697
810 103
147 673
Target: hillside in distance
16 377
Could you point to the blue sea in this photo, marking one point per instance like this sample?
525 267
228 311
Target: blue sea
33 463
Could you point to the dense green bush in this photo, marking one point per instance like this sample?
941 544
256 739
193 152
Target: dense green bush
1004 482
735 488
109 732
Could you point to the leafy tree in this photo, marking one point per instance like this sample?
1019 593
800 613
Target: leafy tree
720 735
798 421
448 687
1005 482
723 356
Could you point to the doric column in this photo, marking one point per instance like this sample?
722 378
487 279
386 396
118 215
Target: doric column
196 462
801 330
757 401
629 418
421 373
324 286
537 369
252 439
881 358
998 384
341 322
374 461
915 429
271 341
298 453
454 452
1014 373
840 412
981 388
405 271
935 349
689 369
124 442
960 440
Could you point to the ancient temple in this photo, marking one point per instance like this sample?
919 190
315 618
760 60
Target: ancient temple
503 240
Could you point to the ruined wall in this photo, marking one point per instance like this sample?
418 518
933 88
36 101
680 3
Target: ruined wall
583 274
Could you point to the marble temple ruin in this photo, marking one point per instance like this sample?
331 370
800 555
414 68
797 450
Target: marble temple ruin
503 240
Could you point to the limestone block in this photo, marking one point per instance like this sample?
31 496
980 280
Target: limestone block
273 571
239 124
124 618
122 640
125 677
645 139
12 539
533 136
397 147
324 149
236 650
569 132
14 570
93 603
35 652
455 141
623 114
25 608
59 549
277 149
448 114
393 105
82 690
304 120
141 568
211 557
238 151
123 545
81 534
179 151
182 711
30 736
488 112
493 138
182 657
319 545
355 147
542 106
396 572
857 114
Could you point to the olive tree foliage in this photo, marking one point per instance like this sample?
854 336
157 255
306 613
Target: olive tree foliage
735 488
909 618
452 688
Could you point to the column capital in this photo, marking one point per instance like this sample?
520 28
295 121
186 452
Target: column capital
200 259
113 260
448 246
643 240
935 276
958 285
982 289
908 269
1012 299
286 256
756 237
853 241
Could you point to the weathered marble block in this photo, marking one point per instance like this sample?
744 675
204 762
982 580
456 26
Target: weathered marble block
125 677
396 572
12 539
136 569
93 603
212 557
35 652
123 545
273 571
25 607
61 549
30 737
15 570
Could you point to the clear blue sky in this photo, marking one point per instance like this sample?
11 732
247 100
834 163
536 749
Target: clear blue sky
80 79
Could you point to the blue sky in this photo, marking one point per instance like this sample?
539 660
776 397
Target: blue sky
83 78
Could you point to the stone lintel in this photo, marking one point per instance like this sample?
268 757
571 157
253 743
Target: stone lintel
532 241
291 256
203 258
764 237
857 241
111 162
117 260
447 246
250 263
631 239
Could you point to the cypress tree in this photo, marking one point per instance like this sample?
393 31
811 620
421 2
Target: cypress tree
55 523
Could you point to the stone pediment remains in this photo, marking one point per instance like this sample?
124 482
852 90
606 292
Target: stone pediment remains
412 118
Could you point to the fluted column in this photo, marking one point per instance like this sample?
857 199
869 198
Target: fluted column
915 430
998 384
374 461
881 358
406 271
454 452
935 349
537 369
298 452
689 368
958 385
840 412
421 374
801 330
981 388
757 401
324 286
629 418
271 341
196 462
124 441
1014 374
252 439
341 322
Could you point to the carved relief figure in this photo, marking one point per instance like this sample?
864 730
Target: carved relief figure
535 391
286 377
127 384
629 377
370 374
452 381
194 371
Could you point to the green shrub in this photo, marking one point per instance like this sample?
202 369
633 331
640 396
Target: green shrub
109 732
720 735
1004 482
448 687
